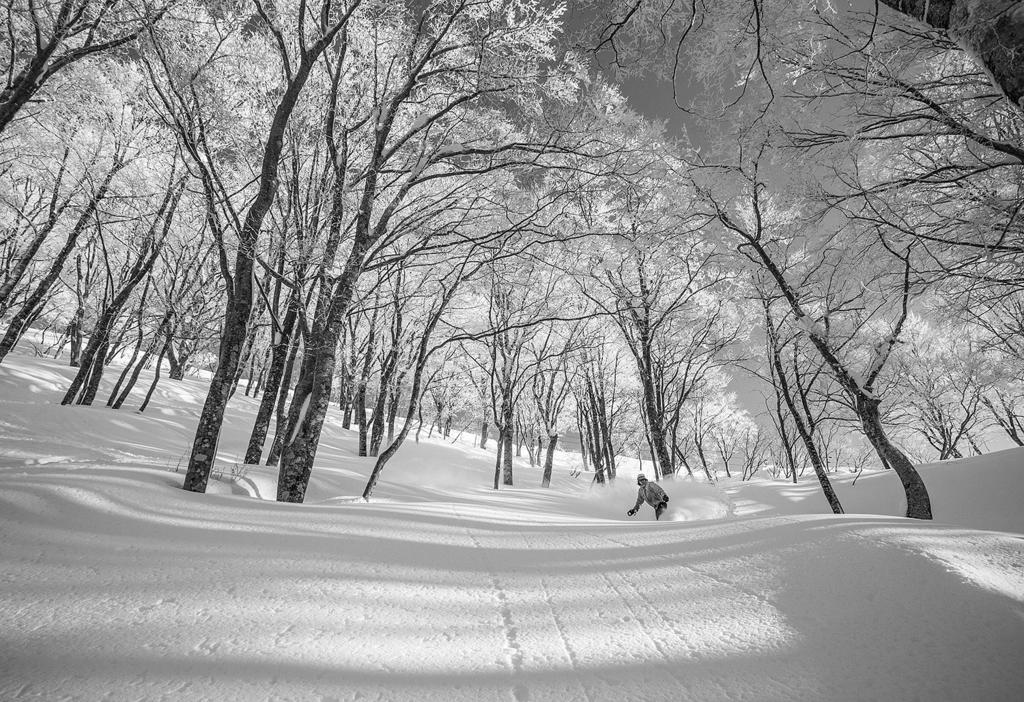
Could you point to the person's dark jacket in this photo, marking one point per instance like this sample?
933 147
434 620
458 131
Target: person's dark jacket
651 493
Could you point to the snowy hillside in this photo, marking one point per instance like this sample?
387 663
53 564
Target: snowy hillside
116 584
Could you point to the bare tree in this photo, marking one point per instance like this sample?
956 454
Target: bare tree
660 293
752 227
48 37
32 305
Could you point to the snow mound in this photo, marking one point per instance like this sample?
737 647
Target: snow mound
981 492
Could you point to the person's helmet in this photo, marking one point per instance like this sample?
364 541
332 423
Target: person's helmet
641 479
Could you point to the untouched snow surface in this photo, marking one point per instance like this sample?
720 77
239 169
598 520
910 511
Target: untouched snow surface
115 584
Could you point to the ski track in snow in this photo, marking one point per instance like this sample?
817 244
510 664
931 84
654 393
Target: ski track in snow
117 585
515 653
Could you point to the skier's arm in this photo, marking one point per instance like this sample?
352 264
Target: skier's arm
639 499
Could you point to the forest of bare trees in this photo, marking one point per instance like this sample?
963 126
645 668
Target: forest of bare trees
442 217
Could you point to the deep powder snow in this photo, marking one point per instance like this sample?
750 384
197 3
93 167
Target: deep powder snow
115 584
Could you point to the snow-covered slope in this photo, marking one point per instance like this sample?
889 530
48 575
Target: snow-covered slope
983 492
116 584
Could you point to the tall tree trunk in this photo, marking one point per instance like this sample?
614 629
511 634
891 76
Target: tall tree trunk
866 405
240 293
93 386
350 379
509 422
361 419
549 460
254 372
244 356
278 357
75 336
281 412
176 366
377 419
236 322
581 431
346 415
655 431
306 419
394 397
313 390
497 457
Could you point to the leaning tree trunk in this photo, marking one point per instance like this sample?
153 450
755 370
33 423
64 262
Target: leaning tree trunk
156 377
29 309
415 393
135 372
96 351
819 471
127 369
1006 418
802 429
699 445
919 505
20 263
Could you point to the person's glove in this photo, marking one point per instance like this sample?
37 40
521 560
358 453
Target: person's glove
631 512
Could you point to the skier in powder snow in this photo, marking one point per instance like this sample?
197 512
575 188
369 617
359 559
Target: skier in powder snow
652 494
